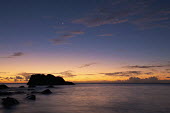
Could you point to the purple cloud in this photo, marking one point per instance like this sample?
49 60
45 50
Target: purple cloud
105 35
68 73
16 54
137 12
59 41
124 73
87 65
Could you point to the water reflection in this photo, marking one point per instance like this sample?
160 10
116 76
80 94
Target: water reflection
97 98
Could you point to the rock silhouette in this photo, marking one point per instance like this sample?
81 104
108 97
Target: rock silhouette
7 102
19 92
21 86
2 86
31 86
31 97
35 92
41 79
2 93
47 91
50 86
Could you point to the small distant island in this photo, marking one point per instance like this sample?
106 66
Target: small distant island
49 79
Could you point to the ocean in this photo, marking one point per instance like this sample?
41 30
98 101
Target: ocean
95 98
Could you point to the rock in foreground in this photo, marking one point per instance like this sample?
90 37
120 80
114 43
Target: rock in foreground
50 86
47 91
3 93
31 86
31 97
21 86
7 102
41 79
2 86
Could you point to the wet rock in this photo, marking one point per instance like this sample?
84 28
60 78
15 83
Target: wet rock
30 89
3 86
21 86
69 83
19 92
47 91
34 92
32 86
7 102
50 86
2 93
31 97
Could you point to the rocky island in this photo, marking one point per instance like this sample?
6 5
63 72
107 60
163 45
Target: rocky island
49 79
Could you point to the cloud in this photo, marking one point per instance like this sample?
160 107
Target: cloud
124 73
139 80
77 32
11 78
89 74
142 13
111 14
7 78
158 18
149 73
105 35
120 21
63 39
70 34
144 66
4 72
67 36
147 66
97 21
7 57
87 65
25 75
18 77
16 54
68 73
59 41
145 80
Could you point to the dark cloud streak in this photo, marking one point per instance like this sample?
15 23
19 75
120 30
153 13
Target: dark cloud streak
67 73
145 80
16 54
124 73
147 66
59 41
87 65
141 13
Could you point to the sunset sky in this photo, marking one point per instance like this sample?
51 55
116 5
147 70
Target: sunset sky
84 40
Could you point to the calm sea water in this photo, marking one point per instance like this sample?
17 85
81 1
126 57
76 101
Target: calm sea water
96 98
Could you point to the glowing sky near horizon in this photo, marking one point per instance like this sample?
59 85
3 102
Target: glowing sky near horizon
84 40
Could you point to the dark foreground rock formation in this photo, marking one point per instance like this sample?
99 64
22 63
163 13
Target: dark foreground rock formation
3 93
7 102
31 97
41 79
21 86
47 91
2 86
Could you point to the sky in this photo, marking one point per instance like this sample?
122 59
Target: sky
84 40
